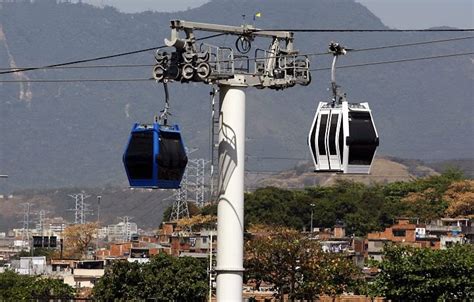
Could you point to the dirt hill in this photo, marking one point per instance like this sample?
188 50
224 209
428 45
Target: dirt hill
384 170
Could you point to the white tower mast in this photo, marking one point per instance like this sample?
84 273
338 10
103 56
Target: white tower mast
278 68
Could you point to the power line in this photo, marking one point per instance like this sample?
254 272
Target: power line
62 66
316 69
410 44
86 66
316 30
77 80
99 58
397 61
18 69
82 61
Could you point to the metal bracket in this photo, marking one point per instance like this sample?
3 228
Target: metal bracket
280 67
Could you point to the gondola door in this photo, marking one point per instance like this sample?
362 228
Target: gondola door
332 140
326 138
321 130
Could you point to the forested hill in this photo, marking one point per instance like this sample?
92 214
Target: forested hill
73 134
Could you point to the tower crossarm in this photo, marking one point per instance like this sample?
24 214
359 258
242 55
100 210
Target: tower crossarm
279 67
188 26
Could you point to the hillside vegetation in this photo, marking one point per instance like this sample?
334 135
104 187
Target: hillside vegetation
361 208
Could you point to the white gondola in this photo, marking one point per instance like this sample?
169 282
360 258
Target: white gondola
343 137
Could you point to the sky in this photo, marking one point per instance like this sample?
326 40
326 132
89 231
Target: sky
401 14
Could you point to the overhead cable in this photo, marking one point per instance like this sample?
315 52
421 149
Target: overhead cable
317 69
411 44
317 30
397 61
99 58
77 80
64 66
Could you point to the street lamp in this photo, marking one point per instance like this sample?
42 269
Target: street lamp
3 176
312 209
99 197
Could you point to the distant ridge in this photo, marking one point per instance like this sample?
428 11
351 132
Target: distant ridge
384 170
73 135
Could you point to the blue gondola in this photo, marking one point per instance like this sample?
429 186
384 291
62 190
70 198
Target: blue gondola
155 157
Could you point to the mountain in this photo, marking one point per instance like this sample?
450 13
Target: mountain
73 134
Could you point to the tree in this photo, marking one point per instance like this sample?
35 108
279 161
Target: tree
77 239
274 206
192 208
421 274
426 205
15 287
121 281
295 264
460 199
197 222
47 288
330 274
164 278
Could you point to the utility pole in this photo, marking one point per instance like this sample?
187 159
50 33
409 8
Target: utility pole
98 220
210 267
278 67
200 181
312 210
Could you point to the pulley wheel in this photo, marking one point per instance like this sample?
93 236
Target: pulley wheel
308 80
158 72
174 72
188 72
188 57
203 56
203 70
161 58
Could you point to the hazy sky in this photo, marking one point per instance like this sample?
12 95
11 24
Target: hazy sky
400 14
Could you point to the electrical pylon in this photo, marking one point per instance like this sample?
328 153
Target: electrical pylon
25 235
81 208
180 206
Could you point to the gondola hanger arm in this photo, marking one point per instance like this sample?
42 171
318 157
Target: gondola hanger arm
337 50
165 113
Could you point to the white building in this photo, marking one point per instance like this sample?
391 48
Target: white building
32 266
121 232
